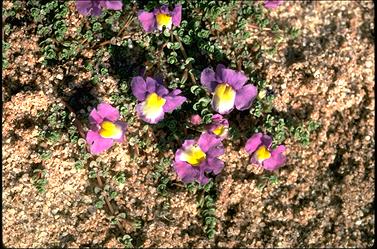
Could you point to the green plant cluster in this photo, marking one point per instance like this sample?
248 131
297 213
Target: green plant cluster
237 33
39 179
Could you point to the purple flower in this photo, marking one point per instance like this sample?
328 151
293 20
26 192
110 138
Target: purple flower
160 17
272 4
259 147
219 126
105 128
228 88
195 119
93 7
197 157
155 99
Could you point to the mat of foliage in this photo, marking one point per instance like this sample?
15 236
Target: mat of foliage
314 60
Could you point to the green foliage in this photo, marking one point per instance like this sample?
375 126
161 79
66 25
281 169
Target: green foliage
273 179
137 224
160 175
238 34
92 174
79 165
277 127
55 123
294 32
100 203
120 178
5 47
234 133
39 180
126 240
302 133
263 104
206 205
44 154
192 187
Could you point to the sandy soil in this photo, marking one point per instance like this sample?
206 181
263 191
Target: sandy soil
325 194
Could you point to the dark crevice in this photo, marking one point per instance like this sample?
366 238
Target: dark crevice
12 87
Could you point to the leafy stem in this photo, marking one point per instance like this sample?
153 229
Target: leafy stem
183 51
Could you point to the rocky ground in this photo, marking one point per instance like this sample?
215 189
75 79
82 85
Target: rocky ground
325 193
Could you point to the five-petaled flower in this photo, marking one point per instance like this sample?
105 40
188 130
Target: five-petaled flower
105 128
155 99
94 7
259 147
219 126
228 88
272 4
160 17
197 157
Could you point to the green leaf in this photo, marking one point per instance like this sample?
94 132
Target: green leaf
189 60
99 204
97 190
195 89
113 195
122 215
202 102
166 33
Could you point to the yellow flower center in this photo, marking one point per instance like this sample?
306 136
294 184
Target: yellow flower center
262 153
225 92
219 130
224 97
153 104
193 155
163 20
110 130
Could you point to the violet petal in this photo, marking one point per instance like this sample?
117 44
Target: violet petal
139 88
161 90
112 4
245 97
216 165
208 79
272 4
266 141
215 151
147 20
84 7
177 15
151 85
188 143
276 160
207 141
185 171
219 70
173 102
97 143
108 112
95 118
253 143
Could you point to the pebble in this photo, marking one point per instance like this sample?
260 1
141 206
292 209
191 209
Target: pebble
55 211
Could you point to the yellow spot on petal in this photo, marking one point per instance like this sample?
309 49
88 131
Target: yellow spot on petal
110 130
193 155
153 106
163 20
262 153
219 130
224 97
